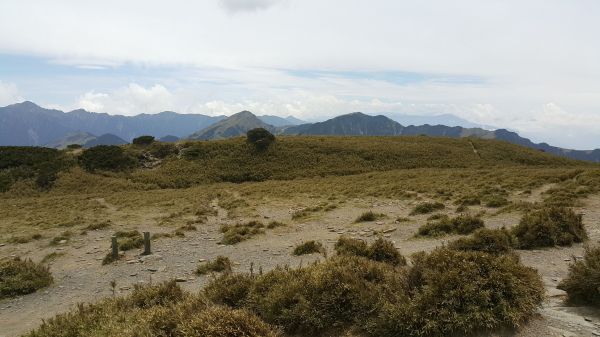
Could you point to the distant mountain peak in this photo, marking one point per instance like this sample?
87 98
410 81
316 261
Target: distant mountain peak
233 126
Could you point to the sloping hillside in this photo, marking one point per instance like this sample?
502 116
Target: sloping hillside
233 126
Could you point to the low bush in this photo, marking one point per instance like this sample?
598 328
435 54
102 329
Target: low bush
583 282
220 264
233 234
427 207
380 250
98 225
155 311
446 292
459 293
63 237
106 158
224 322
493 241
548 227
21 277
495 201
350 246
369 216
462 224
143 140
309 247
260 138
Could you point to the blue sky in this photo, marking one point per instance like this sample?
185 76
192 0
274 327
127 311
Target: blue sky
528 66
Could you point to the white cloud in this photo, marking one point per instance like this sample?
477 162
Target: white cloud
9 94
235 6
131 100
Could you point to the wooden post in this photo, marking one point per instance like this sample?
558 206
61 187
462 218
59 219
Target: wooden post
147 243
115 247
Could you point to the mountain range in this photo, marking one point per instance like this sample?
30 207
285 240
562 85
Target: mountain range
27 124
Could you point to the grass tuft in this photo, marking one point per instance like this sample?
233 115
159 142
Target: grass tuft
220 264
21 277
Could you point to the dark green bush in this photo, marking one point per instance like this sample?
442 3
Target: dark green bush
260 138
583 283
309 247
459 293
233 234
21 277
427 207
493 241
106 158
74 146
163 150
462 224
164 294
548 227
380 250
230 289
444 293
384 251
143 140
350 246
220 264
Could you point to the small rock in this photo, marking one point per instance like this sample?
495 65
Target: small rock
153 270
566 260
131 261
587 319
180 279
62 242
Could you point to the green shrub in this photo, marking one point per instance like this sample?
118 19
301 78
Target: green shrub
106 158
154 311
445 292
462 224
21 277
230 289
225 322
548 227
233 234
493 241
369 216
459 293
74 146
143 140
384 251
325 296
220 264
583 283
350 246
163 150
309 247
380 250
427 207
260 138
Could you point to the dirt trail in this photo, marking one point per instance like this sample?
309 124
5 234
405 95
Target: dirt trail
80 277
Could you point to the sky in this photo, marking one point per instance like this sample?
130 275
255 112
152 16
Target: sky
530 66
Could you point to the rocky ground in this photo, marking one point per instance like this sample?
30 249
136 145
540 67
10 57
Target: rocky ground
80 277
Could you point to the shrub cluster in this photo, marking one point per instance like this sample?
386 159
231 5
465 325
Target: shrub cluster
233 234
369 216
380 250
427 207
37 163
155 311
434 297
309 247
493 241
583 283
220 264
106 158
462 224
143 140
548 227
21 277
260 138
